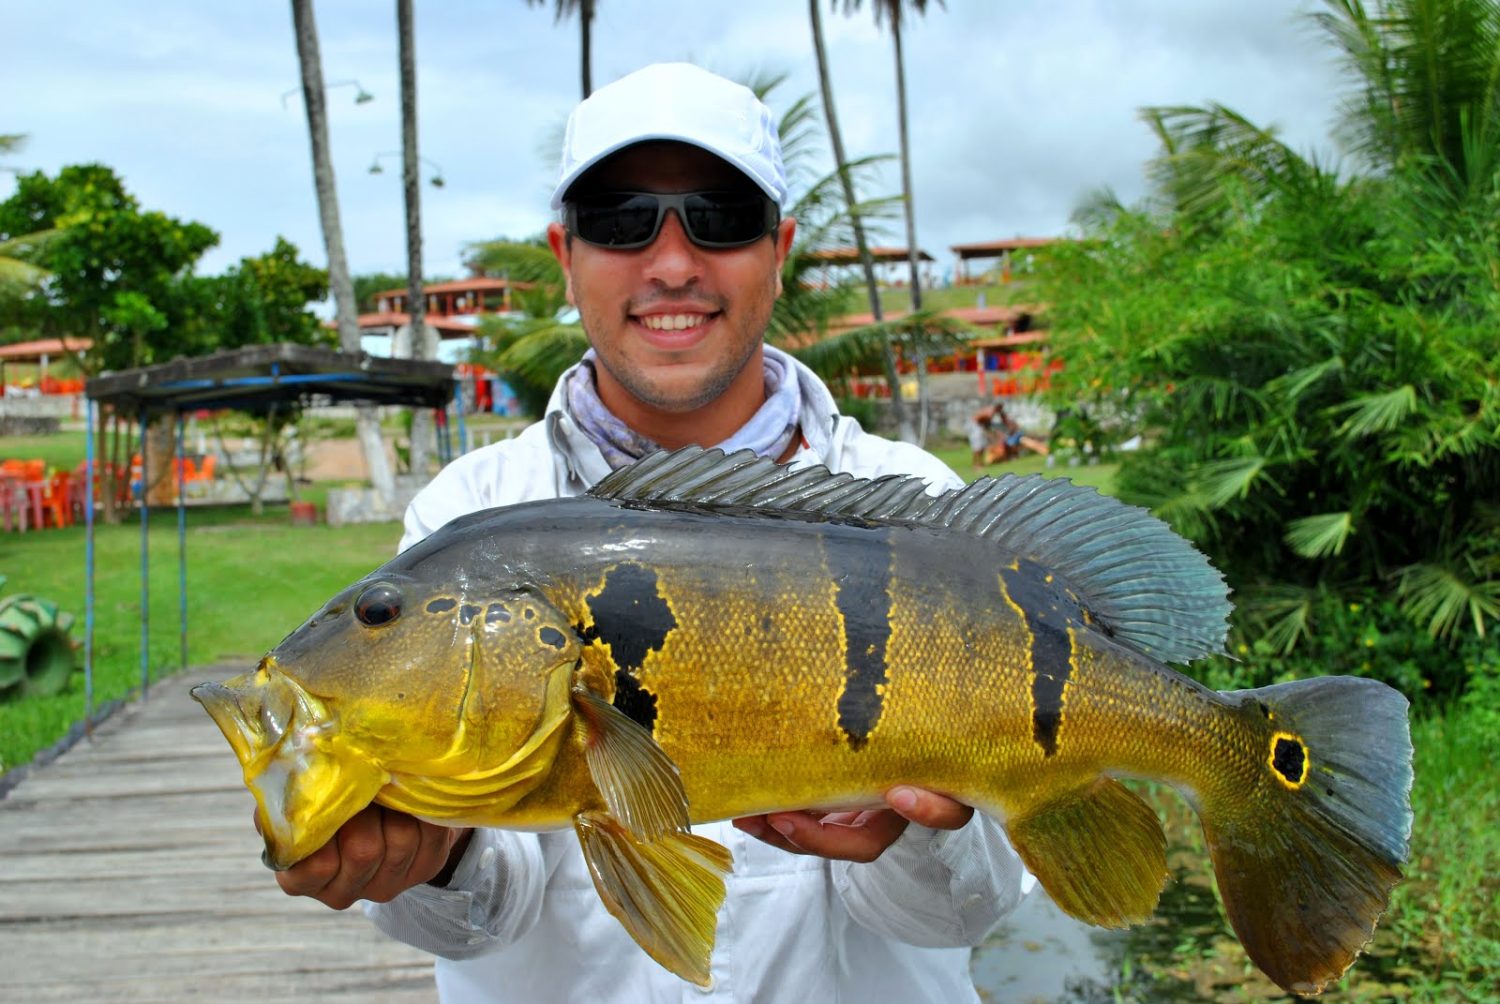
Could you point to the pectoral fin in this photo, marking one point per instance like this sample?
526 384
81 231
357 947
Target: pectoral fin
666 892
1099 852
639 782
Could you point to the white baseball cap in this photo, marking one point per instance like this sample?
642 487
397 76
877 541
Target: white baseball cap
675 101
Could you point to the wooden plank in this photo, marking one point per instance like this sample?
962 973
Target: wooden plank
130 872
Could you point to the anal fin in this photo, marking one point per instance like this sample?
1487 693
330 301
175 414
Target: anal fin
1099 852
666 892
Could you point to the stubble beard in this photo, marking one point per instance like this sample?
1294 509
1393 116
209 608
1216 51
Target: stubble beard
661 394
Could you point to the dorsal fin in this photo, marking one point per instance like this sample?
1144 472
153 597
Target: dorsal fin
1150 588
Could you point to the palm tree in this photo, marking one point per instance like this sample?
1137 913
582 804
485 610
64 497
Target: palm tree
585 11
841 162
333 236
893 11
1428 75
421 343
1314 349
18 274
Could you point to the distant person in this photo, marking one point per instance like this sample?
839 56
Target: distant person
1014 438
980 434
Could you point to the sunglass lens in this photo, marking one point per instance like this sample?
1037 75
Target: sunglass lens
726 220
616 221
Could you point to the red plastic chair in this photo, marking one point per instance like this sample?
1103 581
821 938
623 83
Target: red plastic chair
57 506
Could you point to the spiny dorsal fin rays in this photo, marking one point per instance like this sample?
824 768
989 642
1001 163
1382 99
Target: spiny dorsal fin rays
1150 588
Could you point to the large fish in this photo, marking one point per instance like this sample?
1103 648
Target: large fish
703 637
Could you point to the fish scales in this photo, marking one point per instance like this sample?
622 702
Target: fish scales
706 636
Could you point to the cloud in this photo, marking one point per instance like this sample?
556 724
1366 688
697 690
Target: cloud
1017 109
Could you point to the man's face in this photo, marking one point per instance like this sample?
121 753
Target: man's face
673 324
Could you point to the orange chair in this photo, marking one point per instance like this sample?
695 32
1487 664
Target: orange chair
57 504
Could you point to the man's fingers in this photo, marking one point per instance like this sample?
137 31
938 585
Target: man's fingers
402 846
311 875
928 808
760 829
857 835
864 839
361 852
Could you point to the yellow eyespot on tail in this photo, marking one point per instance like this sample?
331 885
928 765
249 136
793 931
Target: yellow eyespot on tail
1288 759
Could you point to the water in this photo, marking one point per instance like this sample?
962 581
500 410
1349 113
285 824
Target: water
1040 954
1187 952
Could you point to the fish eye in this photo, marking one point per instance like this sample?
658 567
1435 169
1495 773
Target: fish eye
380 604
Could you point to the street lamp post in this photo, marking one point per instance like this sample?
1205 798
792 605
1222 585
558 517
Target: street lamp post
361 97
436 181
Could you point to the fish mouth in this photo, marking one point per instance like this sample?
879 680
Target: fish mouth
306 779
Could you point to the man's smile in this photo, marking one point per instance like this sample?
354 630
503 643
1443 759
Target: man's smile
675 328
672 322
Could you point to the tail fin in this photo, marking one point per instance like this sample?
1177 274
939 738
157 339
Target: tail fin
1307 856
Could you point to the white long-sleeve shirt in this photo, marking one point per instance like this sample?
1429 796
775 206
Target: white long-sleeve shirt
521 921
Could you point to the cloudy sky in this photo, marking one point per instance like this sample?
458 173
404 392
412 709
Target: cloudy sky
1018 107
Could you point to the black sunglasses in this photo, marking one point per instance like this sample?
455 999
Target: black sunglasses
622 221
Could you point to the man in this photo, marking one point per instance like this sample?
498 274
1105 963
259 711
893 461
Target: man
672 244
979 438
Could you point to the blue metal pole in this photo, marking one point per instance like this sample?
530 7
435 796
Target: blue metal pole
88 570
145 563
458 410
182 616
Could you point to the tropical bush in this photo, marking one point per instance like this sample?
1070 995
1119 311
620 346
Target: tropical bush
1312 353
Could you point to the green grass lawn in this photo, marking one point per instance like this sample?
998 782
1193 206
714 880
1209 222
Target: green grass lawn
1099 476
64 450
250 581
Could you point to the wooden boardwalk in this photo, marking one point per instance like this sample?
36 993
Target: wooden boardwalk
130 871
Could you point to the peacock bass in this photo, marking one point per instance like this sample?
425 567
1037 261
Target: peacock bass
705 636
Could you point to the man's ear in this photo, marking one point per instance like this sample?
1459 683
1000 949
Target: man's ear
786 230
562 250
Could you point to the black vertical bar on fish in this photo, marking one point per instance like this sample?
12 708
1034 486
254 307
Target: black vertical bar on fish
1047 620
859 562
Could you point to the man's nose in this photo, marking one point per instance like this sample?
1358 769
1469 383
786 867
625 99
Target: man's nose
672 258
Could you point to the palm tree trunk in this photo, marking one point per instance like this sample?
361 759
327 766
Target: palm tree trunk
924 405
893 378
333 236
421 342
586 44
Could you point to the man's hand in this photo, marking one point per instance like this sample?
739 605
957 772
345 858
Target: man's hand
377 855
857 836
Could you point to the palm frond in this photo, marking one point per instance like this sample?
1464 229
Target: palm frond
18 277
540 350
1426 73
1223 481
1296 383
1214 155
1371 413
1445 595
1097 210
520 261
1319 536
1280 613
